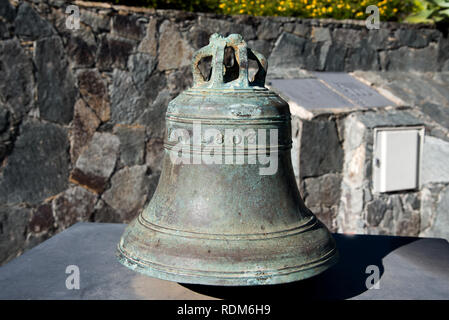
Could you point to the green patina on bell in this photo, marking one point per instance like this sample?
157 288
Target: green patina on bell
227 210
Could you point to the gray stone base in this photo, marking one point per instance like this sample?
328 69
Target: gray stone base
409 268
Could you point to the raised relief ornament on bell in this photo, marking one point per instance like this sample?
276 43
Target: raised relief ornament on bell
227 210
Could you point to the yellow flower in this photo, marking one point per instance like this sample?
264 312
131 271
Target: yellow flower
222 5
241 11
329 9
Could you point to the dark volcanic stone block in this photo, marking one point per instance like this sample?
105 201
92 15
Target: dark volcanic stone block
322 191
94 90
16 80
13 225
336 57
288 50
113 52
4 119
321 151
73 205
132 144
95 165
42 219
38 165
55 83
362 57
28 23
129 191
81 48
84 125
97 21
423 59
412 38
127 27
7 10
4 32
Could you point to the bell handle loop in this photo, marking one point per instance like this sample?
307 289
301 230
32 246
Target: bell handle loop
262 64
215 49
198 55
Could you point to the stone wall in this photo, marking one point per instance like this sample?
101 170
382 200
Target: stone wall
335 170
383 213
422 212
82 111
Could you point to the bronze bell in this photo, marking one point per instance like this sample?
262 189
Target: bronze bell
227 210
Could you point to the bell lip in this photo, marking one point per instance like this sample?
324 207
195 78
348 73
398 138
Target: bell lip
250 280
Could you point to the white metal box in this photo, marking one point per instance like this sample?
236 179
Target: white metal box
397 158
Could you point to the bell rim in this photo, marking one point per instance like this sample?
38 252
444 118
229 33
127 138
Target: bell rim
251 278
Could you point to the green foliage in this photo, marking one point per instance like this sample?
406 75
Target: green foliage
389 10
430 11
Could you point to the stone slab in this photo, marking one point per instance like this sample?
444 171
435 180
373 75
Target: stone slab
310 93
329 90
354 90
409 268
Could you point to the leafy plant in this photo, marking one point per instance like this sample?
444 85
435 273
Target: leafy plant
389 10
430 11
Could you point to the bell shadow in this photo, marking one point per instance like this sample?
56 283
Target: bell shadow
344 280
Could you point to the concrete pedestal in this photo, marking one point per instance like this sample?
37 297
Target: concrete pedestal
409 268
